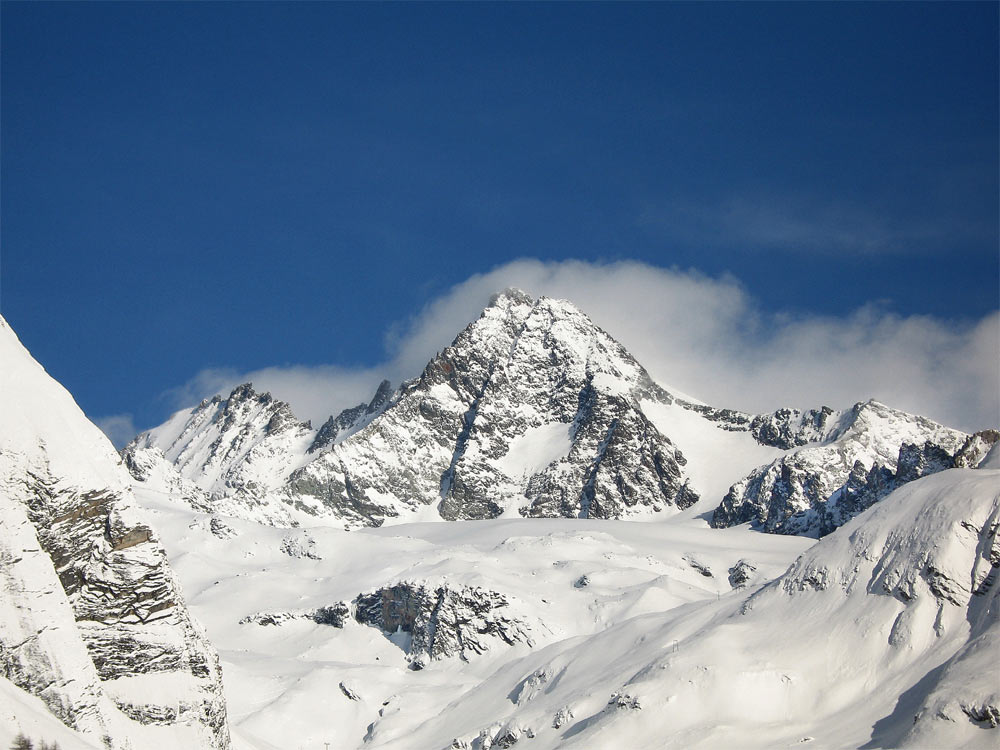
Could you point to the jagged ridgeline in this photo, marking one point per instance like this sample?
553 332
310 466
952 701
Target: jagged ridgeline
92 621
532 411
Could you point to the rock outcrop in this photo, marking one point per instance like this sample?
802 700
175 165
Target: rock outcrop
440 621
120 646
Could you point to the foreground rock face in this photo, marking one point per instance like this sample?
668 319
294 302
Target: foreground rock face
77 550
441 621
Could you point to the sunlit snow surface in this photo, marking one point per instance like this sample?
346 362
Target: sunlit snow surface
633 645
283 680
715 458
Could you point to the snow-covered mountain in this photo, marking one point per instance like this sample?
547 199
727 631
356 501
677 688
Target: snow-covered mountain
92 621
346 611
533 411
808 491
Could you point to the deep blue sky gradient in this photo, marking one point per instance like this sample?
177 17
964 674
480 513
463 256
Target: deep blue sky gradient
187 185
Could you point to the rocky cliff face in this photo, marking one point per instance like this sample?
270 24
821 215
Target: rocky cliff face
817 488
41 650
442 621
531 402
783 428
124 658
225 455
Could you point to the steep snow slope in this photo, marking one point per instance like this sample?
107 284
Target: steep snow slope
23 713
717 458
967 686
634 635
91 620
229 453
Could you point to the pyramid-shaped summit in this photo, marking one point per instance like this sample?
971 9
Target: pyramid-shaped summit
532 410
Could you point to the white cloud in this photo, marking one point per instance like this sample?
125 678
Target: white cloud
118 427
700 335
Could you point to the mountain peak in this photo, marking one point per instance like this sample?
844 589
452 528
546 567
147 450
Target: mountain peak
510 295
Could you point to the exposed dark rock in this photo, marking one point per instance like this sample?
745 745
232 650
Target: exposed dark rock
626 701
221 529
741 573
562 717
984 714
349 692
116 607
703 569
784 428
334 426
335 616
442 621
382 395
918 461
975 449
300 546
865 488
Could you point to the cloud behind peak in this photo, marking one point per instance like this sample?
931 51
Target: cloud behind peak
702 335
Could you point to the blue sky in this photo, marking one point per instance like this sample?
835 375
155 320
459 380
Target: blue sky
192 187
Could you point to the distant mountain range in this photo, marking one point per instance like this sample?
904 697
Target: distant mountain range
534 411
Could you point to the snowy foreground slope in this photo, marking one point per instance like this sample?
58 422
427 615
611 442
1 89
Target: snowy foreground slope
92 624
293 668
610 634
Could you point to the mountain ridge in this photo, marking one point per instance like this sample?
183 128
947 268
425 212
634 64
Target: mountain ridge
531 401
